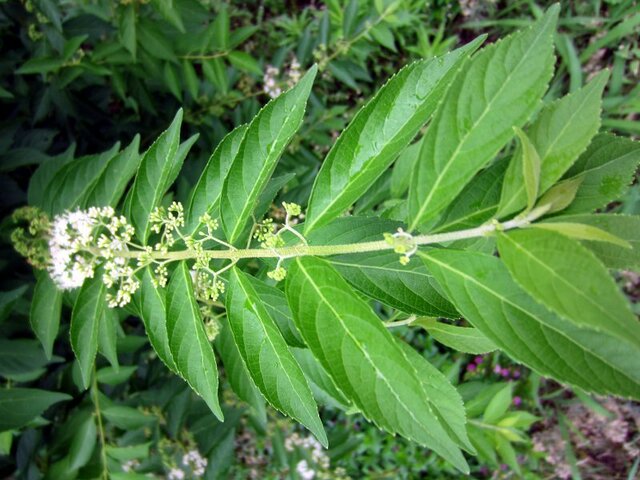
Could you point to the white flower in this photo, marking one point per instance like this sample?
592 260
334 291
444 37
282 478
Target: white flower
175 474
304 471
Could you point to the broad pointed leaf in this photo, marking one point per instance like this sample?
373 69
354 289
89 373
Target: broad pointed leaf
205 197
568 279
190 348
606 169
74 180
379 132
266 138
110 186
560 133
484 292
45 312
18 406
463 339
362 357
152 310
85 316
625 227
409 288
237 373
267 357
499 88
153 178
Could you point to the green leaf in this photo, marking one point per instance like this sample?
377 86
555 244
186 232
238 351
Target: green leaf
113 181
190 78
42 177
171 80
275 302
130 452
499 88
625 227
20 356
191 350
477 203
127 30
561 195
237 373
111 376
85 316
45 312
560 133
245 62
362 357
531 165
568 279
205 197
150 302
482 289
170 13
324 388
214 71
221 28
498 405
463 339
127 418
607 169
403 168
409 288
379 132
155 175
40 65
153 41
267 357
442 396
108 335
18 406
74 180
83 443
266 138
580 231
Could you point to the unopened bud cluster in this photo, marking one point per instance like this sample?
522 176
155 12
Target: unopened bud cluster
402 243
270 236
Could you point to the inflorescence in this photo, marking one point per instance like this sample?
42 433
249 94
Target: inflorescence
78 245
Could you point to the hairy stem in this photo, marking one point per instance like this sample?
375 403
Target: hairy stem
326 250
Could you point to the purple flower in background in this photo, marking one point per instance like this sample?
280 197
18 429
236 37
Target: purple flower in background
517 401
516 374
505 372
497 369
479 359
471 367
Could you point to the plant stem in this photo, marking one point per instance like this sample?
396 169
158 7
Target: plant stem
98 413
326 250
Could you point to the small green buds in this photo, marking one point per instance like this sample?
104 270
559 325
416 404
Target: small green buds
402 243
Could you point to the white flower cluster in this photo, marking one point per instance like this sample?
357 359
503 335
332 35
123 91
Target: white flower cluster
311 445
175 474
271 87
305 472
80 241
196 462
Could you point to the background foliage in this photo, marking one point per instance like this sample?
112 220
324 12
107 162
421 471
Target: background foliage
75 77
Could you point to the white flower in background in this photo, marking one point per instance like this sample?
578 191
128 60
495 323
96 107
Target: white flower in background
195 461
304 471
175 474
271 87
